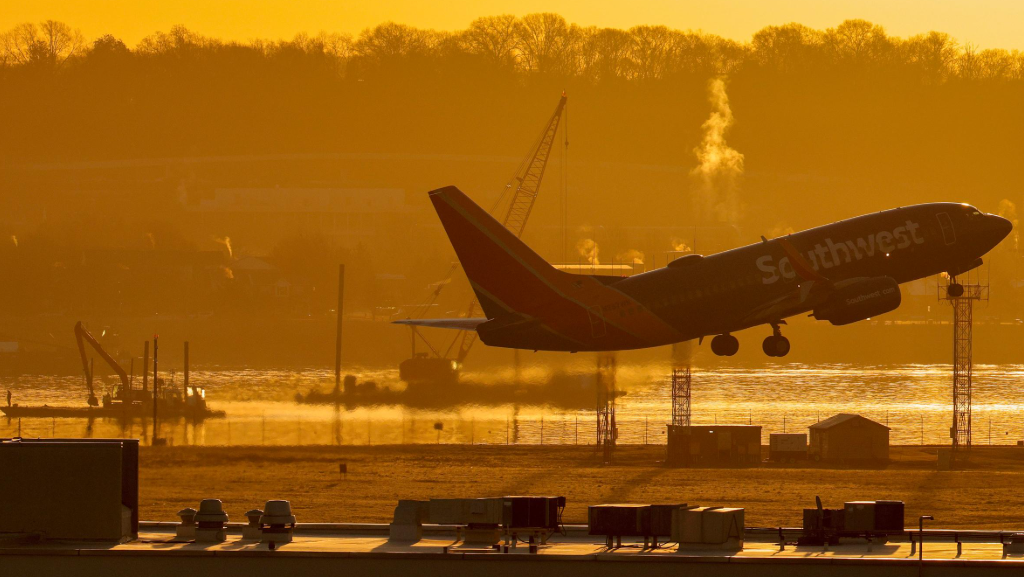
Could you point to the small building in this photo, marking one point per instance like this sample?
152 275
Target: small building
849 438
714 445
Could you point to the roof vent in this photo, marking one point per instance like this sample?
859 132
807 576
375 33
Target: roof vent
252 530
187 530
210 521
277 523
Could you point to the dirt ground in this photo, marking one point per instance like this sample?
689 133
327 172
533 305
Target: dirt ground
985 495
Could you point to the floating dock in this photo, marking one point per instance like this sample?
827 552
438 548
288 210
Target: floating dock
113 412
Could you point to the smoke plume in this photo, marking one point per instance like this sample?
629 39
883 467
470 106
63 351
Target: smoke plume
14 239
717 176
588 249
228 273
1008 210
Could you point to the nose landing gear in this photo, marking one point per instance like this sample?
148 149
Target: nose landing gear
775 345
954 289
725 345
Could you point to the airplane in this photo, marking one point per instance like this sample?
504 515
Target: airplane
842 273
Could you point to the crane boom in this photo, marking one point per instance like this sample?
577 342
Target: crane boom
82 336
527 182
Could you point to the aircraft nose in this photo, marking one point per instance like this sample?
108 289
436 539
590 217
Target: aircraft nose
999 226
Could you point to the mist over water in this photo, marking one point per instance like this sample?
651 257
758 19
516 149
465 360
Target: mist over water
914 400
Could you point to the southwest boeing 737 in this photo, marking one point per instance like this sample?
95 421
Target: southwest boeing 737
843 272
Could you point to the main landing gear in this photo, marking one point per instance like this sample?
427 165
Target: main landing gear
775 345
725 345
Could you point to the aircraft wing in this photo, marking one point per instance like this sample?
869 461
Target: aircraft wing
812 290
806 295
458 324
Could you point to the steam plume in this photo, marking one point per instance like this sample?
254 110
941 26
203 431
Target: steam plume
781 229
720 167
589 250
632 256
679 246
682 354
226 241
1008 210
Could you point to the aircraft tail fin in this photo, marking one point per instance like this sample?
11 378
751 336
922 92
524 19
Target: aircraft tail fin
506 275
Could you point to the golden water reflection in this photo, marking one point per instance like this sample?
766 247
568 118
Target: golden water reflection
914 400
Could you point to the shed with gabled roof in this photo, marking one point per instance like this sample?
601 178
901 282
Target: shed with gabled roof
849 438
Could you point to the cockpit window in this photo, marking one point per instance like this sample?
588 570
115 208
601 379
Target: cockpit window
971 211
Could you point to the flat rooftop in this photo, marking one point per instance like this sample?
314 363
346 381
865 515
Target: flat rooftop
366 550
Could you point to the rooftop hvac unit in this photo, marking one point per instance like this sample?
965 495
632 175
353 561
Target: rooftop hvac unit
465 511
860 516
709 527
661 519
877 517
828 521
889 516
532 512
632 520
620 520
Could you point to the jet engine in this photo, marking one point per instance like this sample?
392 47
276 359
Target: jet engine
860 300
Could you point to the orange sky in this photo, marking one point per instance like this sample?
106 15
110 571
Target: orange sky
985 23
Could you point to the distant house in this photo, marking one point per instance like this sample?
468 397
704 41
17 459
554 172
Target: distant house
849 438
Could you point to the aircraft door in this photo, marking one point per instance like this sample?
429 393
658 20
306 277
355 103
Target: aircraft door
946 224
597 327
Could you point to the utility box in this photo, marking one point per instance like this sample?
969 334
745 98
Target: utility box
714 445
408 521
72 489
787 446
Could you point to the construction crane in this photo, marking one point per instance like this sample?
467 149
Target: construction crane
84 336
512 209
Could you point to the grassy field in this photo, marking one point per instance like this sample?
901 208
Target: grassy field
985 495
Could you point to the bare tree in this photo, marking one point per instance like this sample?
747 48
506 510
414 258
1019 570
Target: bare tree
494 37
933 53
857 42
545 41
51 43
390 40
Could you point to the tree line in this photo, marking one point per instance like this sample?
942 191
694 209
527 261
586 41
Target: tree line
546 43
